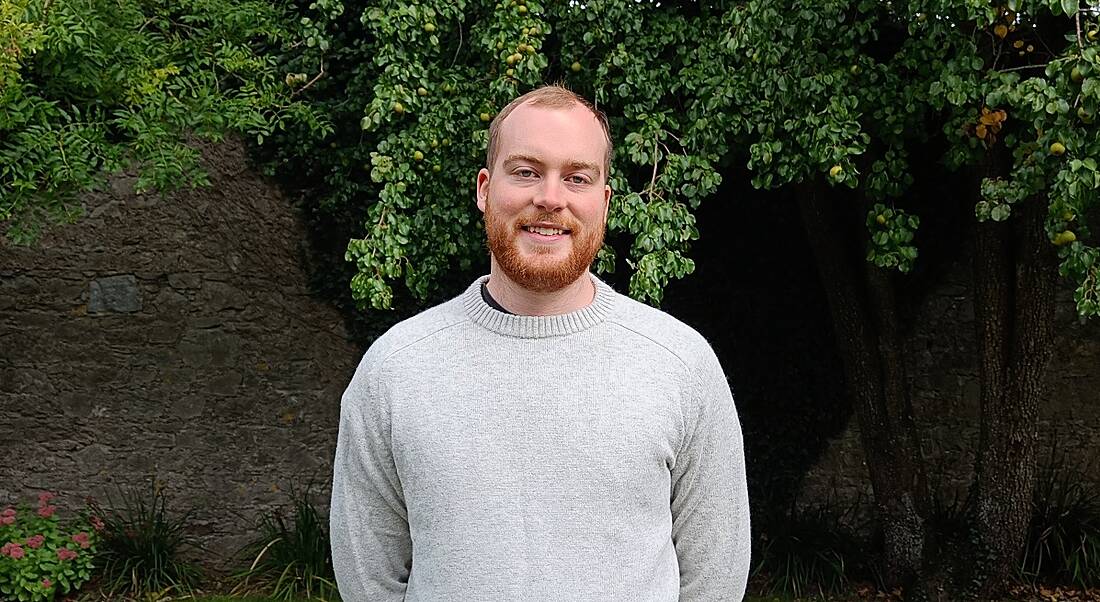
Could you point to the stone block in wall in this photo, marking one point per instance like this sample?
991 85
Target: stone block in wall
114 294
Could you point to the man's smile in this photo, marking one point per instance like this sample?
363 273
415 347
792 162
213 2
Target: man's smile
546 231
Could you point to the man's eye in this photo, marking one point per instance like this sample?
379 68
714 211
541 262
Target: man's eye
578 180
525 173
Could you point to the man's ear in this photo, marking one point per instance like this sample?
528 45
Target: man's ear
482 188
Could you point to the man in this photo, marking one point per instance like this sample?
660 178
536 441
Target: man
540 437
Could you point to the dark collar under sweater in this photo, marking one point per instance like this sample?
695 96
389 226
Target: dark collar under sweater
490 300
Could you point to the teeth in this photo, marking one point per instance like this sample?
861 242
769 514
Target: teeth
544 231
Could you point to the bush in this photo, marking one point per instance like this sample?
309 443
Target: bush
291 559
1063 539
89 88
141 544
41 556
806 551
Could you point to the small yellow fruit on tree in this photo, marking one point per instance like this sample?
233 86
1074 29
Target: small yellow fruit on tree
1001 31
835 171
485 117
429 27
1057 149
576 66
880 219
418 156
398 108
1064 238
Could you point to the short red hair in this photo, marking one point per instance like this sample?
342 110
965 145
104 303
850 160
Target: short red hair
554 96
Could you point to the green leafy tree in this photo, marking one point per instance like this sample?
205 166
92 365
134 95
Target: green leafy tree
846 92
838 103
90 87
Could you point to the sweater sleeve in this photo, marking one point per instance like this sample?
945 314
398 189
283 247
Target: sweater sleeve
710 505
369 528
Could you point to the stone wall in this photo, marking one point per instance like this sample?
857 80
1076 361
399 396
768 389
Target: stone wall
945 388
171 337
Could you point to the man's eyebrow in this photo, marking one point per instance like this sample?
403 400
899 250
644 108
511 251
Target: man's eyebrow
576 165
512 159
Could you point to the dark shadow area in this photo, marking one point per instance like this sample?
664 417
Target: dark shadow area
757 298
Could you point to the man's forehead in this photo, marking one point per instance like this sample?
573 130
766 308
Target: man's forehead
532 114
539 130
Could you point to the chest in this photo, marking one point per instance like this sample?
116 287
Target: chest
526 426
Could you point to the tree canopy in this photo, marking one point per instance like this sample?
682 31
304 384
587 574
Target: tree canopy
91 87
838 90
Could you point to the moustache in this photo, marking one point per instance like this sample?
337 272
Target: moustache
555 220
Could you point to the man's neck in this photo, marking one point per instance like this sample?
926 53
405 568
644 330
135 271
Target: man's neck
525 302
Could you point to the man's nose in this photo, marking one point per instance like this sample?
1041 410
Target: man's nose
549 195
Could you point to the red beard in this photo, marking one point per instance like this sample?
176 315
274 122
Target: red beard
541 272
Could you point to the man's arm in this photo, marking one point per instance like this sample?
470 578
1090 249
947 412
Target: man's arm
368 522
710 502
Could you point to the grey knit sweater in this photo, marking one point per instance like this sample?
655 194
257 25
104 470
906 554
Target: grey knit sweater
594 455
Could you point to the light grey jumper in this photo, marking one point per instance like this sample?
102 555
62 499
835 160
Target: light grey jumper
594 455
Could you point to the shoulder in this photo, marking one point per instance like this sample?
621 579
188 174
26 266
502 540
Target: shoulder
408 333
651 326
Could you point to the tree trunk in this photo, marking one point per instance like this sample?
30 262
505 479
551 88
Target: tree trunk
867 334
1015 277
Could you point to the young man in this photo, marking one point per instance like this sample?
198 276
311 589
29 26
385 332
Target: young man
540 437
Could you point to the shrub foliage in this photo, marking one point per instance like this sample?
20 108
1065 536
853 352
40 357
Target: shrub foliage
291 557
142 543
89 87
41 556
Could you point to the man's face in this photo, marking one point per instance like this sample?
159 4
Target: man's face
546 199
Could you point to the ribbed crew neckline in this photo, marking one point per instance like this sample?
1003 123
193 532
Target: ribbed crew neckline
535 327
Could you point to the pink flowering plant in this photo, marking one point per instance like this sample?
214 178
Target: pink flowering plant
42 556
